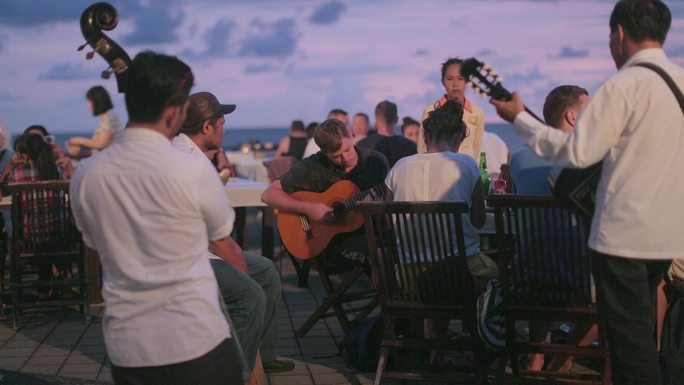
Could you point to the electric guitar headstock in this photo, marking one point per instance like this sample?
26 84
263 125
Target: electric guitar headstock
486 82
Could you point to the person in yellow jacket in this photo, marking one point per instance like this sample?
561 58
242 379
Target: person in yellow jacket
473 115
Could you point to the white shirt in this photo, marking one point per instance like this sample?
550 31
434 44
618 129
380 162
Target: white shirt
149 211
497 153
311 148
635 125
441 176
185 144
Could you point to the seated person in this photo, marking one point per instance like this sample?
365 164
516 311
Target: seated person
249 283
561 109
100 104
443 174
360 127
337 160
60 158
335 113
393 147
410 128
33 161
294 144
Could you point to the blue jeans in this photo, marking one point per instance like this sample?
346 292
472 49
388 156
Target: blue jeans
252 303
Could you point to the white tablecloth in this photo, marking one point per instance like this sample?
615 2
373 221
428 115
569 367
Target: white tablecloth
245 193
247 166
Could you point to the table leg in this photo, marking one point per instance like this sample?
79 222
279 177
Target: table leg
94 275
240 230
268 219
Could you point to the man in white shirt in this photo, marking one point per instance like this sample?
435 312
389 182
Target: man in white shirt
249 283
150 211
635 125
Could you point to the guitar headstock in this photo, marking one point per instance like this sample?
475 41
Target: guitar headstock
483 79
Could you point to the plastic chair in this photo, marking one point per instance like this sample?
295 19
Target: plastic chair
46 242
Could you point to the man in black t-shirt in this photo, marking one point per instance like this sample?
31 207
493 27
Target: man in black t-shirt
393 147
338 160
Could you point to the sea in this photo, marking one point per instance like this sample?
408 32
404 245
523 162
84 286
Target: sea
235 137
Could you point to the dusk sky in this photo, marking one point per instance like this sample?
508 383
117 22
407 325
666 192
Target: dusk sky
280 60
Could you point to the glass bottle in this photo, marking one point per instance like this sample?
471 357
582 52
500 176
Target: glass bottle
484 174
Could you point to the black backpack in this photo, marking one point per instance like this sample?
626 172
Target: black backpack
360 346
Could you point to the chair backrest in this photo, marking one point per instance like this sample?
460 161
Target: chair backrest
42 220
417 255
545 249
277 167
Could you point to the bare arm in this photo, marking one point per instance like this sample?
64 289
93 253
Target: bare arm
478 216
275 197
228 250
101 141
283 147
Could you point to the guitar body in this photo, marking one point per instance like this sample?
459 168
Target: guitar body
306 246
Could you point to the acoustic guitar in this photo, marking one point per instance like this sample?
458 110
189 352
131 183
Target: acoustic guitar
574 188
306 239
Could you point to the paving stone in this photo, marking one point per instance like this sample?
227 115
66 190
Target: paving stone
331 379
41 369
46 360
18 352
290 380
79 359
12 363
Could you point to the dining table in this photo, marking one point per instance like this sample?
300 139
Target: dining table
242 194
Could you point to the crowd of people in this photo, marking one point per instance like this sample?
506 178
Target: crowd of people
185 304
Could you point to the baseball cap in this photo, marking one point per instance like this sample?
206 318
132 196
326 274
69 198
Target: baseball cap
204 105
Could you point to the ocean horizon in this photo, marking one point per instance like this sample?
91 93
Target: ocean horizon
234 137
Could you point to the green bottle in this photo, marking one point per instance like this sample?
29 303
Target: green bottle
484 174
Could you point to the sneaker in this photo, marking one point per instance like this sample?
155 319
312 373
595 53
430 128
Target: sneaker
278 366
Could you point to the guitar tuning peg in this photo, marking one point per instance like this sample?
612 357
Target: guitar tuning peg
487 67
493 73
80 47
470 84
499 79
90 55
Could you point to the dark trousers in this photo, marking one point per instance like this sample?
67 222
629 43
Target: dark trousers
221 366
625 294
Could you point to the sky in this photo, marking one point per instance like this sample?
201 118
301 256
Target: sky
281 60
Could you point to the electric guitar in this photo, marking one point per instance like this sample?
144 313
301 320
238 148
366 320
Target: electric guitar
306 239
574 188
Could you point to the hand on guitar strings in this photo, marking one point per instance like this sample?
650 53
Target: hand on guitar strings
508 110
320 212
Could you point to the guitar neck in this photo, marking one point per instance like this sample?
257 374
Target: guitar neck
372 194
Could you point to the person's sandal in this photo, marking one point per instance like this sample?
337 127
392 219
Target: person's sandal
278 366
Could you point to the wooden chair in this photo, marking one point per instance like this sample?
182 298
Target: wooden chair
45 240
418 262
275 169
545 274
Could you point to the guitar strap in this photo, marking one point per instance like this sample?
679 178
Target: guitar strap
666 77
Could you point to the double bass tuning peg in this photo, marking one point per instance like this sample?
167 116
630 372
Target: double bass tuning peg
80 47
107 73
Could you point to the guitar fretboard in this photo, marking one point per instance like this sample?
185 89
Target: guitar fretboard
376 193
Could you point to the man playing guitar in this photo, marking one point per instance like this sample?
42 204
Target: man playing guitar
337 160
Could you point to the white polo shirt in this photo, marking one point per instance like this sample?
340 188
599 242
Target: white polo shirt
635 126
149 210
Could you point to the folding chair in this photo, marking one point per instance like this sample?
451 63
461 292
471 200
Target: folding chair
546 277
45 239
275 169
418 262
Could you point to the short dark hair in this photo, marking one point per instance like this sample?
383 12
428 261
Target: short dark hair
196 128
37 127
408 121
388 111
329 135
310 129
298 126
445 122
448 62
363 115
559 100
336 111
157 81
100 99
642 19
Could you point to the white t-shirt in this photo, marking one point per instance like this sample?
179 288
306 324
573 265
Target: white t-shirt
497 153
635 126
441 176
149 211
311 148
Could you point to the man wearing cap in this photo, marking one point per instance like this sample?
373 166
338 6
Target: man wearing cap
249 283
150 211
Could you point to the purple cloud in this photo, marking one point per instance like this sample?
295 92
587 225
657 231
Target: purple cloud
154 25
278 39
69 71
568 52
327 13
258 68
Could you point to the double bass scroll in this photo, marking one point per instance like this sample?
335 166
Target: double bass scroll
95 19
